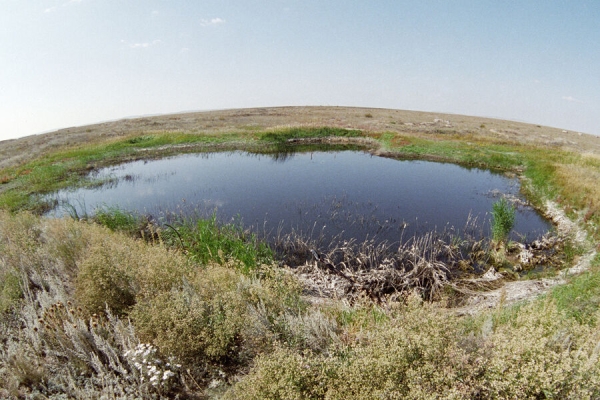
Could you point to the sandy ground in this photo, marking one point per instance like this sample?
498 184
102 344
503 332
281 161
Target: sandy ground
14 152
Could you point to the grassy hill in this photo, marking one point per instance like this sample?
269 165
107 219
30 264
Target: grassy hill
115 305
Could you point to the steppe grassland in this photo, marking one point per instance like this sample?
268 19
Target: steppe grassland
215 323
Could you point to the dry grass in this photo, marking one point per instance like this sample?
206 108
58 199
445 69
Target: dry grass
582 173
433 264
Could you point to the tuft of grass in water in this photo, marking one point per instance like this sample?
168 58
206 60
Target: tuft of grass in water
205 240
503 220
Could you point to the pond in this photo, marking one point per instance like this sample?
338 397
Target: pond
344 194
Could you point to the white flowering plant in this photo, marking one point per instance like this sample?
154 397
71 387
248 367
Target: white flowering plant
152 369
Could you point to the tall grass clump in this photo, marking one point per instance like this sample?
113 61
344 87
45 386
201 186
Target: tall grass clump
503 220
207 240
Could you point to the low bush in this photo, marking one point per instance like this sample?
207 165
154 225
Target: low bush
106 277
219 316
422 352
117 271
199 321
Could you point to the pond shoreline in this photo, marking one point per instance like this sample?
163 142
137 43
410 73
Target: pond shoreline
387 133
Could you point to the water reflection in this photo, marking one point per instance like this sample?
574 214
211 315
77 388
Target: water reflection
347 194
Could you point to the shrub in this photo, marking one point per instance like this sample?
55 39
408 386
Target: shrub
105 277
284 374
422 352
66 241
503 219
200 321
413 356
534 352
118 270
220 317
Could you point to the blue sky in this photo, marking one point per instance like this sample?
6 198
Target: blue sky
75 62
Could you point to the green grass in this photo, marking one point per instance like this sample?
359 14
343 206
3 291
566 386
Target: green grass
580 298
10 290
503 220
308 133
362 317
206 240
117 219
171 139
465 153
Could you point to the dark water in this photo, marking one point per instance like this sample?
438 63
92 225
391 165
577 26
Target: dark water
347 193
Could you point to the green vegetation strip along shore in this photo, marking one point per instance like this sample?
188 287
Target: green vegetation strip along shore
569 177
90 311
